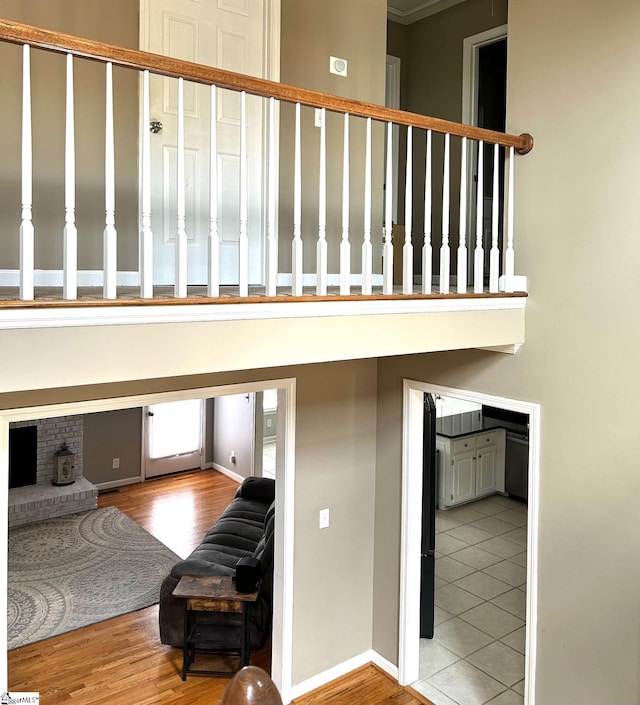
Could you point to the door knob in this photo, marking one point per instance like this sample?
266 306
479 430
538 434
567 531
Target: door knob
155 126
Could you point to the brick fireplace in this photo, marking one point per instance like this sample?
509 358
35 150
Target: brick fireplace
43 500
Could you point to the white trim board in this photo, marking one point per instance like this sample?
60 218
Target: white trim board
282 634
409 636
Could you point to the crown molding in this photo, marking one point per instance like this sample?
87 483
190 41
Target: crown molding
425 9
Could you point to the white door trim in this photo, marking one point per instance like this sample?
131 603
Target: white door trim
282 633
409 637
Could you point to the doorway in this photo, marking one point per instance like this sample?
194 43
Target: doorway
409 646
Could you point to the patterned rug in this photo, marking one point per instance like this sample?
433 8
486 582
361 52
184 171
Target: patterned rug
76 570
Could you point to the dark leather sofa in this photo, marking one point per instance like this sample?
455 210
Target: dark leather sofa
245 529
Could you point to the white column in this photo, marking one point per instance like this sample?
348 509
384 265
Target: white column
213 249
110 234
509 264
296 247
146 235
180 285
70 233
345 245
367 257
461 270
407 250
494 254
272 242
427 265
27 234
321 250
478 255
445 254
387 248
244 238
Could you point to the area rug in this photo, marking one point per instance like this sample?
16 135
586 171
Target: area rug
76 570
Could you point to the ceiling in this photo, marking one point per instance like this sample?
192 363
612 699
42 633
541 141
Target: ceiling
409 11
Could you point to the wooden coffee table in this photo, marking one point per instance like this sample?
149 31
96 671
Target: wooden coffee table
212 593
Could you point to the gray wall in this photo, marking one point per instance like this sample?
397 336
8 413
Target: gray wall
233 427
576 211
115 22
109 435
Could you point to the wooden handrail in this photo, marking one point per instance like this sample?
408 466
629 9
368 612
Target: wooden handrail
19 33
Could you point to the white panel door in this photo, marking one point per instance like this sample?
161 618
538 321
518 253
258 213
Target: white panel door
225 34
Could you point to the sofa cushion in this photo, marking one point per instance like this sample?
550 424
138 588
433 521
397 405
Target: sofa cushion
260 488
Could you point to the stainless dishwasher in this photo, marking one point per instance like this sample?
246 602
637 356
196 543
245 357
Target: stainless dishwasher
516 481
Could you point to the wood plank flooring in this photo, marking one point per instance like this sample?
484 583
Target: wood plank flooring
121 661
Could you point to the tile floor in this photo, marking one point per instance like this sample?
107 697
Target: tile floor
269 459
477 653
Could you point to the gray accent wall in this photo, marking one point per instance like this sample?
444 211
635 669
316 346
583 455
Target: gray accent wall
109 435
233 431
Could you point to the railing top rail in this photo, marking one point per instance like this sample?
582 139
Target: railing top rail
19 33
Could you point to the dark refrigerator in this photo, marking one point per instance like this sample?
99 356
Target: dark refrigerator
429 502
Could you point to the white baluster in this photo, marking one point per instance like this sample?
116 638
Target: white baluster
387 248
478 260
367 257
244 238
180 285
27 234
70 233
427 265
110 235
272 242
407 250
509 264
296 248
345 245
146 235
321 250
213 249
445 254
494 254
461 273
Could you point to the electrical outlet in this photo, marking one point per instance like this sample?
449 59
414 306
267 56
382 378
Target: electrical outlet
324 518
232 457
116 463
317 119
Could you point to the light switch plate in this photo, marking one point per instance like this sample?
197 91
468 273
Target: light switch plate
337 66
324 518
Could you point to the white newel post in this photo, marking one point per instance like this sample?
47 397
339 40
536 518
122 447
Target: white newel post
244 238
345 245
478 255
213 249
367 257
427 250
387 248
509 264
181 233
407 250
27 234
110 234
272 242
321 250
445 254
70 233
494 253
296 248
146 234
461 269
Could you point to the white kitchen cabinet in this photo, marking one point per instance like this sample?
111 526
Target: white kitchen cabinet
470 467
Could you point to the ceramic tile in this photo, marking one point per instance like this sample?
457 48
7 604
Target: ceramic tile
455 600
520 559
439 582
500 547
518 536
483 585
519 687
475 557
509 697
493 526
516 640
500 662
440 615
446 544
444 522
434 657
437 697
466 684
491 619
514 516
514 601
460 637
450 570
488 506
508 572
469 533
464 514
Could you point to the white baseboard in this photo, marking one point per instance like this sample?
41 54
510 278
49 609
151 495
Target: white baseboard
342 669
227 472
118 483
54 277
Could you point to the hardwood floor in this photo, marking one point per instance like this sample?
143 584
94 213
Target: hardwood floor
121 661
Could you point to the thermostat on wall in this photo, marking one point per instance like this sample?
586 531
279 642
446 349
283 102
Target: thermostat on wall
338 66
